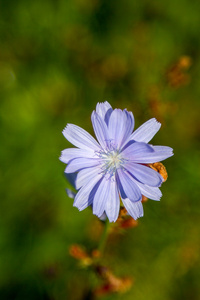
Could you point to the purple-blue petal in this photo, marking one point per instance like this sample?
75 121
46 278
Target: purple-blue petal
113 202
150 192
135 209
104 110
103 217
85 175
71 153
133 149
70 193
144 174
101 196
85 195
129 126
163 149
71 177
77 164
146 131
145 154
80 138
115 126
120 126
100 129
127 187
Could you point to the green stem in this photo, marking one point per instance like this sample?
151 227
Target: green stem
104 236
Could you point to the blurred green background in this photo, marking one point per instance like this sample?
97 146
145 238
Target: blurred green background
58 58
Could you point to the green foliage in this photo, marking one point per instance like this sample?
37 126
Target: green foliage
57 60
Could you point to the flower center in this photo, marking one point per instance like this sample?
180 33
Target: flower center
111 161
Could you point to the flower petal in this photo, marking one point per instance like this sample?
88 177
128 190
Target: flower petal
150 192
127 187
152 157
103 217
144 174
133 149
71 153
120 126
146 154
101 197
70 193
116 125
85 195
113 203
146 131
100 129
71 178
163 149
77 164
129 126
85 175
135 209
80 138
104 110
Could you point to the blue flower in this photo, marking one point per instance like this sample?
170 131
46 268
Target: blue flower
117 165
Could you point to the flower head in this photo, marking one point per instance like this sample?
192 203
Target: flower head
117 165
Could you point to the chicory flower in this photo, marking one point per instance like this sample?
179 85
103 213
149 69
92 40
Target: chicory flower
115 167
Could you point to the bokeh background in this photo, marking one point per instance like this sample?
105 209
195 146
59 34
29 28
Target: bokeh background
58 58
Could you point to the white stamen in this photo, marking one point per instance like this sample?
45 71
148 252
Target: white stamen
111 161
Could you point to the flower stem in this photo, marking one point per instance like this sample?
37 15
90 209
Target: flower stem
104 236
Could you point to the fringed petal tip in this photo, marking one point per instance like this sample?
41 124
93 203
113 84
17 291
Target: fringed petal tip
80 138
78 206
102 106
134 209
104 110
164 150
155 121
66 129
146 131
